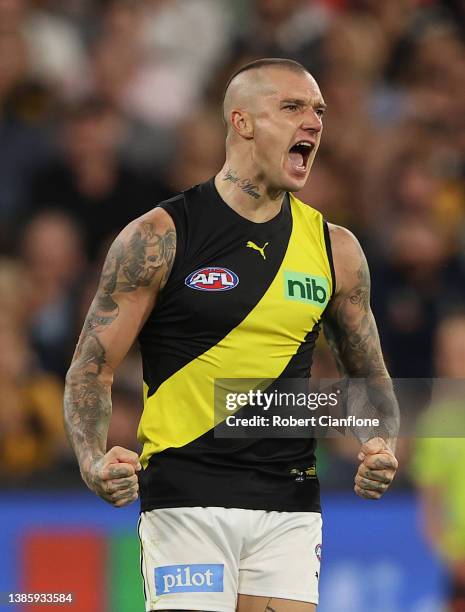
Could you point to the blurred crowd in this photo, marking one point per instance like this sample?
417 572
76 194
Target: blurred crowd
109 106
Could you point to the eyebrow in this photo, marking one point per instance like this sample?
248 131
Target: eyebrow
301 102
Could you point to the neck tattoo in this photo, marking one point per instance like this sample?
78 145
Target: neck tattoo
246 184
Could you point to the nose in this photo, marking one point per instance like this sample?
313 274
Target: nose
312 121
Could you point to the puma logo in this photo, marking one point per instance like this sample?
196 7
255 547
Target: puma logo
254 246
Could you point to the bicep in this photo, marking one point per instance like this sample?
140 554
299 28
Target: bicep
349 323
135 270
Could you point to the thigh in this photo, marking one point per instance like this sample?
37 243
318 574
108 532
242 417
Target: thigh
251 603
283 562
188 561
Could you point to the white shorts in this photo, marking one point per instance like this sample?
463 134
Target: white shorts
201 558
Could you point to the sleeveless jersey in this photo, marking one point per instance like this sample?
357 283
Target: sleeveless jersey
243 300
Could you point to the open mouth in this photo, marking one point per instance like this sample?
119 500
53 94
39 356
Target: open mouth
299 154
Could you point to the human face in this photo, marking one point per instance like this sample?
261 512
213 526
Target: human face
287 129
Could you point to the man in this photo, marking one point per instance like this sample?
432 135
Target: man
205 281
436 455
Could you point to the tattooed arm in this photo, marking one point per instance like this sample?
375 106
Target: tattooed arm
352 334
136 268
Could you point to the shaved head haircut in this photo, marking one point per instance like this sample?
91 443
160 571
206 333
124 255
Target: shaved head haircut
267 62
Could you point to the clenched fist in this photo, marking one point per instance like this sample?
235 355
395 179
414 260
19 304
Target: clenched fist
377 469
113 477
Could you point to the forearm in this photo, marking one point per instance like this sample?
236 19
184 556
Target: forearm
87 409
372 398
383 405
354 342
360 352
87 402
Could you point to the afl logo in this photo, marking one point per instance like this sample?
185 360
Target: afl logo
212 279
318 551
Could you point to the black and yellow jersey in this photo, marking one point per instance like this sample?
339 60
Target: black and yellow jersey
243 300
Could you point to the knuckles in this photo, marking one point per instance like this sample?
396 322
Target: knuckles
383 476
381 462
125 501
375 474
367 494
116 483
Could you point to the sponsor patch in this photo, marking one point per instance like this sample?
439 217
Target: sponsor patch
212 279
195 578
306 288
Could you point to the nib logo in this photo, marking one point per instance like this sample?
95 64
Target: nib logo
306 288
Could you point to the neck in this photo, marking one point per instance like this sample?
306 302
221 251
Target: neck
247 193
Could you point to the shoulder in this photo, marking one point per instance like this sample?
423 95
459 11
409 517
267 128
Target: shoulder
342 238
143 253
158 217
343 241
348 257
155 222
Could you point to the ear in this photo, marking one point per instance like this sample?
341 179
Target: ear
242 123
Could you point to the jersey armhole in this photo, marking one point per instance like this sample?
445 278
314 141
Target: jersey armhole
329 254
179 226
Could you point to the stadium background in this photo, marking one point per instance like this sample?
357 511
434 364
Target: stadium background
107 107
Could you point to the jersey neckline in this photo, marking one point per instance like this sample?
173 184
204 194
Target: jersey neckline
283 213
